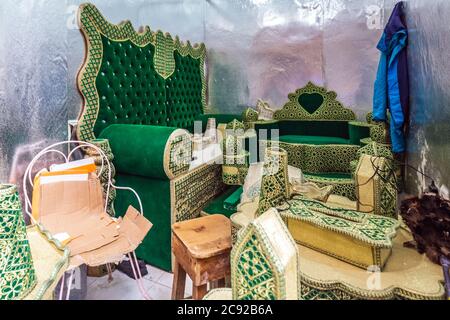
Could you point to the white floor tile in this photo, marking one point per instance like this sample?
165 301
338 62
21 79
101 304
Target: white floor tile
160 292
153 273
91 281
166 280
158 284
121 288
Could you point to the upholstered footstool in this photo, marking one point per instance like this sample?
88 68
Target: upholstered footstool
407 275
201 248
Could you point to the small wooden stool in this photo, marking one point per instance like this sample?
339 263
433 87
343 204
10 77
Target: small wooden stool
202 250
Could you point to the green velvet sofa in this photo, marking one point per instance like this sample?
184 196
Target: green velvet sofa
321 136
142 93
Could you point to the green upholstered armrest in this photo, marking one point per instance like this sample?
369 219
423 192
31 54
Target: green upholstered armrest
358 130
149 151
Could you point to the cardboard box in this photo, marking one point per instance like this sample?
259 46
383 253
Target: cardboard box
70 207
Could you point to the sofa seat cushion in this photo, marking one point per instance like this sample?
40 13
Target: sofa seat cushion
316 140
330 175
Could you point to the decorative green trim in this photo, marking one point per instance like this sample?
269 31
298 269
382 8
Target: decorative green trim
163 59
64 261
275 181
310 158
17 274
335 290
257 273
93 26
379 133
329 109
189 193
10 207
235 169
250 115
198 51
342 187
177 154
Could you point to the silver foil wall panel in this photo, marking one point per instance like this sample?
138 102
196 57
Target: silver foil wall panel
429 138
33 81
267 49
256 49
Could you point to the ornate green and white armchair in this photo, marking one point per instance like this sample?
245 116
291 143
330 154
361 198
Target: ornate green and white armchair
142 93
320 135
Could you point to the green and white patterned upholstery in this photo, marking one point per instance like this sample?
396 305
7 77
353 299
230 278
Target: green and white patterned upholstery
31 260
314 103
264 263
322 137
275 180
137 78
235 157
17 274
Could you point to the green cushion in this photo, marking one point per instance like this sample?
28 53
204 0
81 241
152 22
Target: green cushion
155 196
233 200
184 92
139 150
217 206
329 128
132 92
357 131
331 175
129 88
317 140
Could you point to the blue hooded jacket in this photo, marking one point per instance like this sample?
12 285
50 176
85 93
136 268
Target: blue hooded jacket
391 85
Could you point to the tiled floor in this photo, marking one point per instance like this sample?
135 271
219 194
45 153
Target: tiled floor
157 283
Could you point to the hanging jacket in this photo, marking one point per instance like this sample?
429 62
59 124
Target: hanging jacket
391 85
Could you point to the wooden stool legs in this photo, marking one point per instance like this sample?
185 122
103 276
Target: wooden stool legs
198 292
201 248
179 282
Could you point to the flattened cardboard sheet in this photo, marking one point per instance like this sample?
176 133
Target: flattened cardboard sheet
72 208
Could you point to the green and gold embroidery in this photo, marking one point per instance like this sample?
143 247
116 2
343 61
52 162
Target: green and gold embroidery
165 51
314 103
275 180
17 274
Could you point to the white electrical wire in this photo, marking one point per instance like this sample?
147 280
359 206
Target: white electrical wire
81 144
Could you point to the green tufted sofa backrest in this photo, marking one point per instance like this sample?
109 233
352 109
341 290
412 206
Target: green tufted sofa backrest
314 103
145 78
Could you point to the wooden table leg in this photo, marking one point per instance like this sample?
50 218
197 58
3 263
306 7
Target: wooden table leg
198 292
179 282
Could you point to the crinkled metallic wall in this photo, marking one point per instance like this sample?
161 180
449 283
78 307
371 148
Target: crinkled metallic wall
256 49
429 67
267 49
